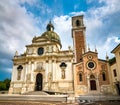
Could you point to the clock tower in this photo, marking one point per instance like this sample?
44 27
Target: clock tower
78 35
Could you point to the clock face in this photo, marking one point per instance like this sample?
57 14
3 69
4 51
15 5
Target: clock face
40 51
91 65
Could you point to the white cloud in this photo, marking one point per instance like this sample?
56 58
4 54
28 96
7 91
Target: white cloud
108 46
102 25
17 27
63 28
77 13
8 70
109 42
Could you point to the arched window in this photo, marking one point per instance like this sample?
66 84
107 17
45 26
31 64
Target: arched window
80 77
103 76
77 23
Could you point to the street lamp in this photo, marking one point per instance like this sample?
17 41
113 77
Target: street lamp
63 67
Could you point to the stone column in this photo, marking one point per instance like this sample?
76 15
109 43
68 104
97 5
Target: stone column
88 80
97 84
24 84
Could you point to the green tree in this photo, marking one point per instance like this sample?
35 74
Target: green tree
2 86
7 83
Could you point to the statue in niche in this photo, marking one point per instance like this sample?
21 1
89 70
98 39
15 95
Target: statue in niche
63 74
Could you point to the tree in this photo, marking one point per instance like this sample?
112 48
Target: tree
4 85
7 82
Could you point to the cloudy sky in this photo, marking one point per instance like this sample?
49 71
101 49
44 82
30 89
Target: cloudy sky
21 20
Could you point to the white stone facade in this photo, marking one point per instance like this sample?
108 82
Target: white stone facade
43 57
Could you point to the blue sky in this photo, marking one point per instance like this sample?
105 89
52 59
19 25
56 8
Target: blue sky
21 20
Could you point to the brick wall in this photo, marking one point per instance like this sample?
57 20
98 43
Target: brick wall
79 45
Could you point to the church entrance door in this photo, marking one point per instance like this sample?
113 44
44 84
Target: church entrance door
92 84
39 79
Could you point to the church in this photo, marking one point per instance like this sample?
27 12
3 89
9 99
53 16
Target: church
45 67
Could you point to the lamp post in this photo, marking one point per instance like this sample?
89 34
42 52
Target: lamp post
63 67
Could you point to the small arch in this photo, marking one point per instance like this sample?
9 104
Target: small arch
92 76
78 23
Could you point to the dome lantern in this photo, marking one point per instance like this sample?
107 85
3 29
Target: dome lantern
51 35
50 27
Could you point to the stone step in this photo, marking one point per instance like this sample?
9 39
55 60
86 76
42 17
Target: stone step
36 93
45 98
98 97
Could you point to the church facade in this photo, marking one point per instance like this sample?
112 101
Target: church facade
91 74
45 67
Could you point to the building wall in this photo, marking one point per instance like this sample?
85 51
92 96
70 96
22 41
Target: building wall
47 64
116 66
78 34
90 75
117 55
113 77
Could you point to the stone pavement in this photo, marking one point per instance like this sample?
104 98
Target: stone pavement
34 103
6 99
55 103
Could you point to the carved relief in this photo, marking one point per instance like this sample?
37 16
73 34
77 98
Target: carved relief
39 66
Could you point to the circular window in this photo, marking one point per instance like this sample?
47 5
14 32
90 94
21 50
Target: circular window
91 65
90 56
40 51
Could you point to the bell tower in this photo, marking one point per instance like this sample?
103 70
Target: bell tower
78 35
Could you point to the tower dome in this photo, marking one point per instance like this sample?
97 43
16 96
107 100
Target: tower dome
51 35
